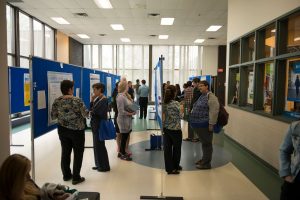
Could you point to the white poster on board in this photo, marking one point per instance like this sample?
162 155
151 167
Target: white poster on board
54 79
250 88
108 86
94 78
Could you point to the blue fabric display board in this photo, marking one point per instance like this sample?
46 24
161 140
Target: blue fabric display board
39 76
19 82
158 92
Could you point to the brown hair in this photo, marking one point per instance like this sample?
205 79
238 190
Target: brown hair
100 86
169 94
65 86
205 83
13 173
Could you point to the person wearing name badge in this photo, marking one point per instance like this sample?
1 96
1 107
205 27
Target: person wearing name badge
70 113
203 118
124 119
98 111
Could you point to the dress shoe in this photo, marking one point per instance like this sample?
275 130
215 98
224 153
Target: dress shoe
187 139
103 170
179 168
174 172
67 178
75 182
205 166
199 162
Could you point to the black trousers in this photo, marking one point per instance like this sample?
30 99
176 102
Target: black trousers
71 140
124 137
143 106
172 149
100 152
290 191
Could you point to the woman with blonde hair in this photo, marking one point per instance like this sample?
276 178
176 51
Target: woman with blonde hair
124 118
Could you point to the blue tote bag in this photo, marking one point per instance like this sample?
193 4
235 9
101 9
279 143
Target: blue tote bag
107 130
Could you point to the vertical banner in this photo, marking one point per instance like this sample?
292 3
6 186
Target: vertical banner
158 92
108 86
94 78
26 90
54 79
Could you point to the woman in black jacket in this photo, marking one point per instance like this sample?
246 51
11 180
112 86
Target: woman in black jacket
99 109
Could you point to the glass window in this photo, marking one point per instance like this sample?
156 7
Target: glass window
138 57
247 86
49 43
293 40
235 53
128 56
107 57
292 105
87 56
10 60
176 57
95 56
10 29
270 41
248 49
25 34
268 86
38 38
146 57
234 86
24 62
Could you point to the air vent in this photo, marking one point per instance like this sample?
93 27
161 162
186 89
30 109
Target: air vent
153 14
80 14
211 38
102 34
15 1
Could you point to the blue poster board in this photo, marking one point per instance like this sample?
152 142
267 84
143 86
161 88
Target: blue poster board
16 90
207 78
39 69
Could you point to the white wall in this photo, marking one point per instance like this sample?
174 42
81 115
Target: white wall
209 60
259 134
4 116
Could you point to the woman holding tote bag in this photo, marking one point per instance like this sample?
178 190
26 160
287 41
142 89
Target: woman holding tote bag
99 109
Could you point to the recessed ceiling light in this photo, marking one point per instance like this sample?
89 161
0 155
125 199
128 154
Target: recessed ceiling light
83 36
273 30
296 39
125 39
163 37
117 27
103 4
214 28
166 21
60 20
199 41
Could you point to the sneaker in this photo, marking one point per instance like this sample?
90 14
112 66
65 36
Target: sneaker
206 166
75 182
126 157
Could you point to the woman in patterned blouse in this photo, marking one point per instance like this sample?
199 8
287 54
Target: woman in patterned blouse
172 131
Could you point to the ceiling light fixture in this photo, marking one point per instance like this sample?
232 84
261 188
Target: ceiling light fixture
199 40
83 36
60 20
117 27
125 39
273 30
103 4
163 37
296 39
213 28
167 21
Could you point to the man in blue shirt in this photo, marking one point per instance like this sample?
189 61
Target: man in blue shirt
290 163
144 93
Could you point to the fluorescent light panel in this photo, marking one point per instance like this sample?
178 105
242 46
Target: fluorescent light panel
60 20
214 28
125 39
83 36
103 4
163 37
166 21
199 40
117 27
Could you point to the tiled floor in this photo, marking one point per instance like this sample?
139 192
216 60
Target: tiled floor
130 180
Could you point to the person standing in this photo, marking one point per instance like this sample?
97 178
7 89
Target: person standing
172 131
137 94
205 111
297 85
98 110
70 113
130 90
188 96
124 119
289 163
144 93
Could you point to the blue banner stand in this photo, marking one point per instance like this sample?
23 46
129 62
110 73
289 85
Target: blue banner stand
161 196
